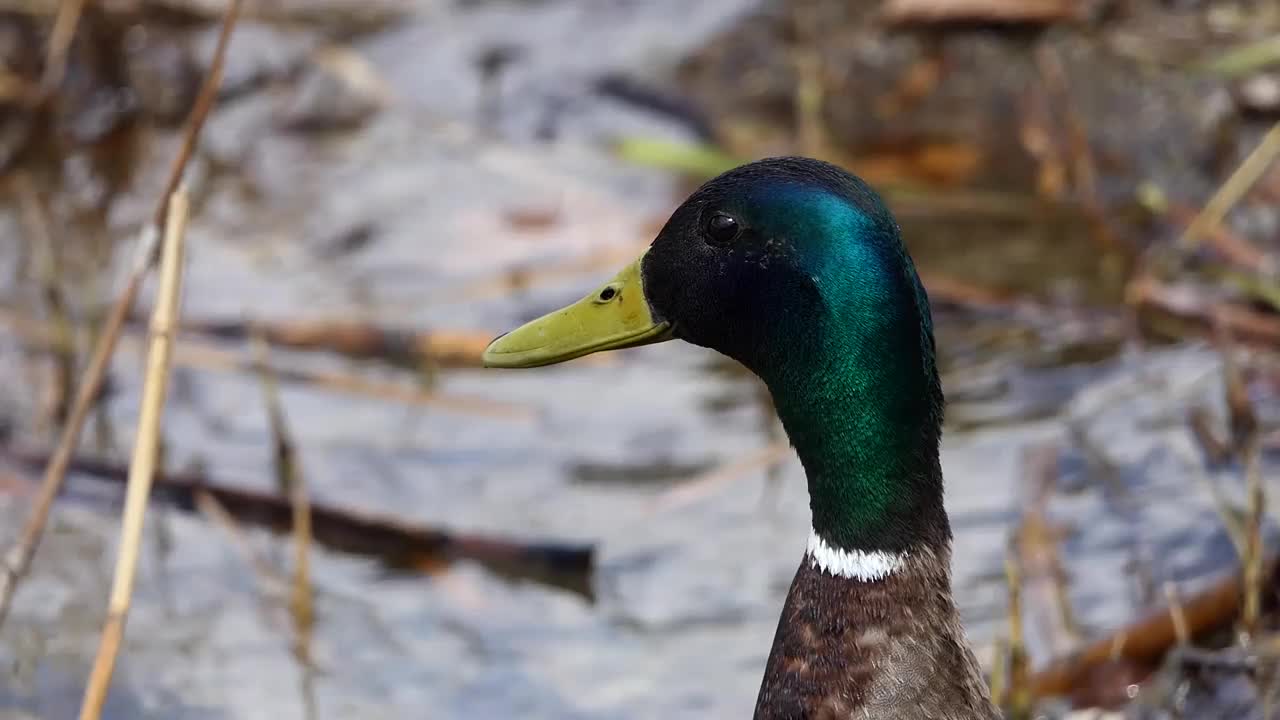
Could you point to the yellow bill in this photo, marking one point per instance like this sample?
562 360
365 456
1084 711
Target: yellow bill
615 316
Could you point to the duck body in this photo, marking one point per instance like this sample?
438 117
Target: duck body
890 649
796 269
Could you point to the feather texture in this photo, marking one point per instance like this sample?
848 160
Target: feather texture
888 649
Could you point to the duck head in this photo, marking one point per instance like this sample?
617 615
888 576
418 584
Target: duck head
796 269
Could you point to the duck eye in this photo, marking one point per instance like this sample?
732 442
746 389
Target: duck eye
721 229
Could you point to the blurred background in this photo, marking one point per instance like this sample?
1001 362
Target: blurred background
383 185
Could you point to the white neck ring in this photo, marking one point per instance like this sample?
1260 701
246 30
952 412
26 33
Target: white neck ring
852 564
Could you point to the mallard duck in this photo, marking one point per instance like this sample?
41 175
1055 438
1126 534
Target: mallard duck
796 269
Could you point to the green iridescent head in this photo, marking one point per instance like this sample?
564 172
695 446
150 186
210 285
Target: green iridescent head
796 269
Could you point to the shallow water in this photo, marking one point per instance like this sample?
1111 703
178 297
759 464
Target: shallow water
687 595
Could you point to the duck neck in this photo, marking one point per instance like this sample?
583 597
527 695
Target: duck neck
866 426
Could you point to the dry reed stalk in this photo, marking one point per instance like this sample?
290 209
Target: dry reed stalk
1178 617
999 669
1200 423
272 588
1235 248
1218 450
64 30
1018 698
272 584
17 560
293 486
361 341
201 356
1235 187
1253 558
1117 646
810 91
1226 513
210 358
1084 172
35 217
1242 422
199 110
145 454
1036 542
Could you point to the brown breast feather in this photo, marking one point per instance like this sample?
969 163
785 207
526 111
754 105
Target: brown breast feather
889 649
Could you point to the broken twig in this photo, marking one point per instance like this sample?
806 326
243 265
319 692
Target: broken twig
1014 12
395 542
1145 641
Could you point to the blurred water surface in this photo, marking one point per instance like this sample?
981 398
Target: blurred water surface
688 595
